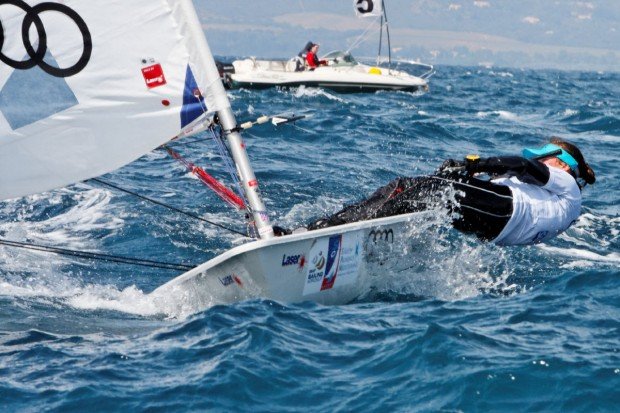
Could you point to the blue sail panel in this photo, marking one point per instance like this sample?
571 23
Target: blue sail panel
32 95
193 101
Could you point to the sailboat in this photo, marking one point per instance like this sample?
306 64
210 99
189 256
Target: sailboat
341 71
84 91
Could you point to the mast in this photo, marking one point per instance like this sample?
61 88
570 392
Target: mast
387 32
228 123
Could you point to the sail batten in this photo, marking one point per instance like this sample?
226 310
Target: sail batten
69 113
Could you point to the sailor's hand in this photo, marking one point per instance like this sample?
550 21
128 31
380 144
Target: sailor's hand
473 164
451 165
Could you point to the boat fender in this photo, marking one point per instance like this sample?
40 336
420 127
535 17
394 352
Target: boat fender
262 119
374 71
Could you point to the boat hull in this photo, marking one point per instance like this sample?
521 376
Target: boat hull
262 74
329 266
341 87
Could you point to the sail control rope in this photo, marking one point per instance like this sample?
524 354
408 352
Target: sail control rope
117 258
180 211
98 256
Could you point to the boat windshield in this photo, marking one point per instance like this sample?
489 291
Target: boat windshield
340 58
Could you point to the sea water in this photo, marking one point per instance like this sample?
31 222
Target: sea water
487 329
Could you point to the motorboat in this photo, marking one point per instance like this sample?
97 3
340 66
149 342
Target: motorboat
342 73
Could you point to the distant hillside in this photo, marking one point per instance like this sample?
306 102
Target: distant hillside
527 33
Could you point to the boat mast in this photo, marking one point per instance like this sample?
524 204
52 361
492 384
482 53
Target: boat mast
229 124
387 31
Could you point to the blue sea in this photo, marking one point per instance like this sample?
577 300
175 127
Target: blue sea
533 328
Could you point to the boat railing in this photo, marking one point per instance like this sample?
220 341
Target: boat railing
430 70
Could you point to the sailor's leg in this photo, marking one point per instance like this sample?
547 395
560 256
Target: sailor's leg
401 196
484 207
360 211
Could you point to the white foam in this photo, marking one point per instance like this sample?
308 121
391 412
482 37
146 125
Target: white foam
503 114
445 264
501 74
581 254
106 297
303 212
68 290
570 112
303 91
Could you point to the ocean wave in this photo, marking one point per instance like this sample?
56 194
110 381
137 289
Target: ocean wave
483 322
503 114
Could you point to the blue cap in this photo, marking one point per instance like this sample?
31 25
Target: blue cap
553 150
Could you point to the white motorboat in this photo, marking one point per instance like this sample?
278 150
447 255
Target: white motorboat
342 73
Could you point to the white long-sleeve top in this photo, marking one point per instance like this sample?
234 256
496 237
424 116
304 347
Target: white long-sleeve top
540 212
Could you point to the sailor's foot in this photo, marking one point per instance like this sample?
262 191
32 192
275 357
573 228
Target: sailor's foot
279 231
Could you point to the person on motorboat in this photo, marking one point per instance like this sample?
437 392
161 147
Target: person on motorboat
312 58
304 52
523 200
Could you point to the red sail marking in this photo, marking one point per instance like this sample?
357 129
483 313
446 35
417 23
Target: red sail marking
224 193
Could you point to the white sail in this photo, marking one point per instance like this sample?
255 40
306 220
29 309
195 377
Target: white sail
101 83
368 8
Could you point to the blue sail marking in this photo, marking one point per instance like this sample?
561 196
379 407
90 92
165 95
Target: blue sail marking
193 101
32 95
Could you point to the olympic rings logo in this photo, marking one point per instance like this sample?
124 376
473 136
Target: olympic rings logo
37 56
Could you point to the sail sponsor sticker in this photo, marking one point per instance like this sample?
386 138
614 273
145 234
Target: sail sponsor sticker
333 261
154 76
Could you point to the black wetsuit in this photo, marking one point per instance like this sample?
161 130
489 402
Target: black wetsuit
483 207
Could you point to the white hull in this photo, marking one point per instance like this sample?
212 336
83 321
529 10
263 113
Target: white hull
252 73
329 266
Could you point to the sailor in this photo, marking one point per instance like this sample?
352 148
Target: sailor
312 58
524 200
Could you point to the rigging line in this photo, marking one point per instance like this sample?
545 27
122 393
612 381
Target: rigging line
180 211
380 40
183 143
98 256
226 156
225 153
221 146
362 36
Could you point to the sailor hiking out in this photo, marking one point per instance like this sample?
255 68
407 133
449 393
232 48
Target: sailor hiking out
523 200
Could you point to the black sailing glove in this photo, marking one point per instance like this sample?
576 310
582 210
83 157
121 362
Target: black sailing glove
527 170
451 165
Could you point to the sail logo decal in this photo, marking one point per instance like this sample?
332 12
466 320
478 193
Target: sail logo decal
193 101
37 57
153 76
334 262
31 95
